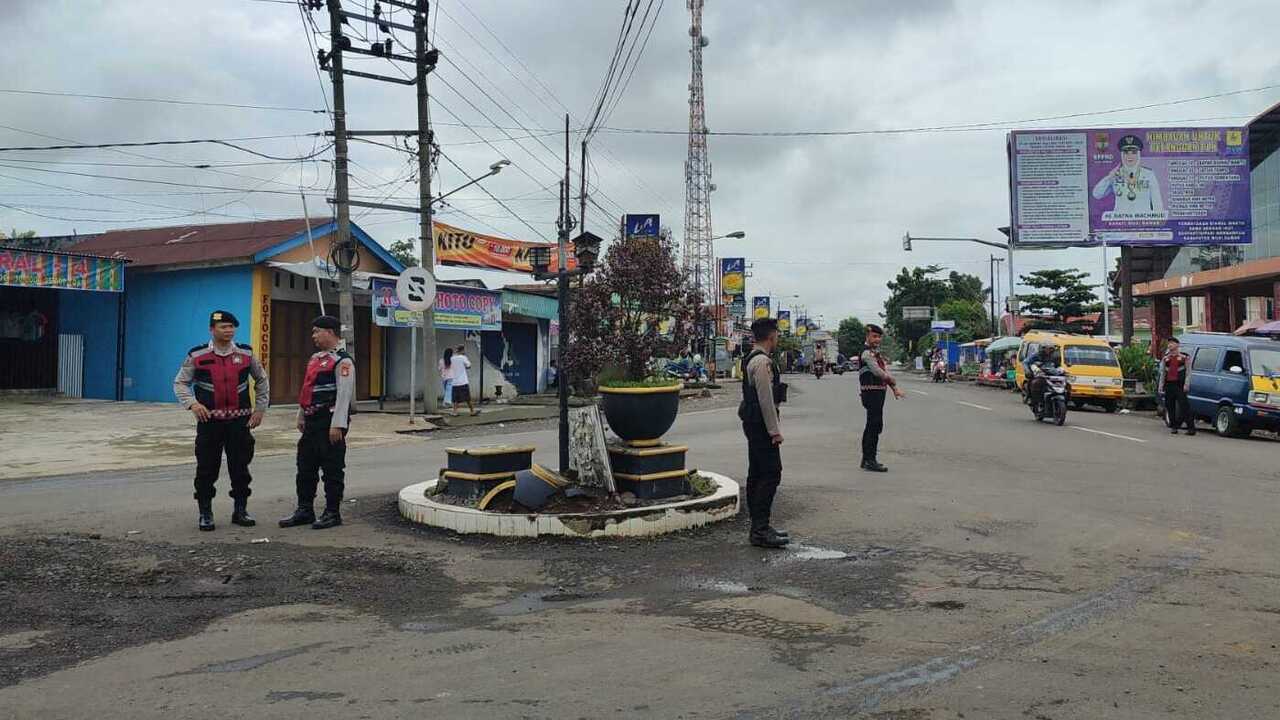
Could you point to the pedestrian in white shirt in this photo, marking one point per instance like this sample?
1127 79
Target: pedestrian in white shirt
446 378
461 381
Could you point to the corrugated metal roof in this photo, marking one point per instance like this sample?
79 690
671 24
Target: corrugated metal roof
185 244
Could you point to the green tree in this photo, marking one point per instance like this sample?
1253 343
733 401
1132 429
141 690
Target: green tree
920 286
21 239
1063 294
970 316
851 337
406 251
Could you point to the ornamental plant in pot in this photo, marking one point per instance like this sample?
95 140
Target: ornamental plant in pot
638 305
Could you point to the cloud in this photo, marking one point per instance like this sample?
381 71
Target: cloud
824 216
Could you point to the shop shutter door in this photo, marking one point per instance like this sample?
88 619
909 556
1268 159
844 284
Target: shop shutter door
71 365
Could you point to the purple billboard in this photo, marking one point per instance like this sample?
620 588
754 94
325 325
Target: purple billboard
1146 186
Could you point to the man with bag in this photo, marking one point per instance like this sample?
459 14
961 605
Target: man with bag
762 392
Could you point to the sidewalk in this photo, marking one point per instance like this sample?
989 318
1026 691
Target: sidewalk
55 436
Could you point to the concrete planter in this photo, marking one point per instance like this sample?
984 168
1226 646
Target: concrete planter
418 507
641 416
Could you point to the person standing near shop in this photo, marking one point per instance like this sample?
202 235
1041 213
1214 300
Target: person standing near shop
324 411
1177 381
875 380
446 378
461 381
213 383
762 391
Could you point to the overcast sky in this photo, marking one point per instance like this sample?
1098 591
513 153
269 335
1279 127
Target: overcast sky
824 216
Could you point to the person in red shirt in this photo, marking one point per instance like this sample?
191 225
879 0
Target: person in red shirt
1175 367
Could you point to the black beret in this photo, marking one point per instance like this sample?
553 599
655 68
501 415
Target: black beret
327 322
221 316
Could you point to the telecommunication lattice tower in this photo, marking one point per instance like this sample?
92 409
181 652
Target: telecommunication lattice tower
699 252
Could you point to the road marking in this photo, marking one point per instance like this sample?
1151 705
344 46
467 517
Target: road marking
1102 432
972 405
919 392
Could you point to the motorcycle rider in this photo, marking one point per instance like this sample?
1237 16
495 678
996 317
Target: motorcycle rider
1036 366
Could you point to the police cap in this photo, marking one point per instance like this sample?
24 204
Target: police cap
327 322
222 316
1130 142
875 329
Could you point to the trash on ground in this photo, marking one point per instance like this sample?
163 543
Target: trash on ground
258 541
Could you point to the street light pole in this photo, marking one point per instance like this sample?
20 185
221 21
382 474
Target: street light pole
907 239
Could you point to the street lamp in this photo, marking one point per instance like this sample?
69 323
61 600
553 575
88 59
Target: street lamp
494 169
1013 297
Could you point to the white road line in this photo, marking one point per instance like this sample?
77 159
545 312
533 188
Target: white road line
919 392
1101 432
972 405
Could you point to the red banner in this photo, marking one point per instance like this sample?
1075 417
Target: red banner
455 246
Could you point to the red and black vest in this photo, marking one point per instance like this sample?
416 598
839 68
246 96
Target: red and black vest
320 384
1175 368
868 379
221 382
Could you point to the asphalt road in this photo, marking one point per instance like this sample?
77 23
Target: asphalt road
1002 569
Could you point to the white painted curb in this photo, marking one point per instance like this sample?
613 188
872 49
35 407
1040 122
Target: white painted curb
416 507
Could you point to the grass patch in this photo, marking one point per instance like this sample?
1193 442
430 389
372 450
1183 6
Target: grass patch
701 484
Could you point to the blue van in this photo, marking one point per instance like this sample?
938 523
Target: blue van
1235 382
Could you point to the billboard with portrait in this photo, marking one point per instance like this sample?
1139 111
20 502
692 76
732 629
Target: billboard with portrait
1130 186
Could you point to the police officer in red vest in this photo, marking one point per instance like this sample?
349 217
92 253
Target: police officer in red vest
324 406
213 384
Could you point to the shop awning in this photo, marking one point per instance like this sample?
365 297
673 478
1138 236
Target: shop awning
60 270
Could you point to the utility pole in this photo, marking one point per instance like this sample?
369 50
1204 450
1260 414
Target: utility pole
582 210
991 265
426 230
564 225
344 256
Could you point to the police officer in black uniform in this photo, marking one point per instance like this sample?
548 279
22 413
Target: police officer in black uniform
213 383
874 379
762 392
324 411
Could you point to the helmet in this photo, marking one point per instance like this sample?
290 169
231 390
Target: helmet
1048 348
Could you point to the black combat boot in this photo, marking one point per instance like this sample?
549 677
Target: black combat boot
768 538
304 515
330 518
205 521
240 514
874 466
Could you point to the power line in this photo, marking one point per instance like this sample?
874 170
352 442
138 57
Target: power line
622 91
228 142
486 191
164 101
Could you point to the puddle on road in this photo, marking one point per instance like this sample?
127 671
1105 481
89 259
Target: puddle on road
533 602
425 627
728 587
811 552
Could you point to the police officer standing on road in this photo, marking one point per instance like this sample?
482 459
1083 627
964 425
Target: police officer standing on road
1177 381
324 408
213 384
875 379
762 391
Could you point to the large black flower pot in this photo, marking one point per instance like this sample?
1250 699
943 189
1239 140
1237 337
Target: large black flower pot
640 416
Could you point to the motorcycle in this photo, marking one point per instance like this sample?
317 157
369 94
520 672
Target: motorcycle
1053 400
939 371
819 368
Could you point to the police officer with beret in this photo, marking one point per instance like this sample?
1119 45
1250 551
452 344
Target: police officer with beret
213 383
324 407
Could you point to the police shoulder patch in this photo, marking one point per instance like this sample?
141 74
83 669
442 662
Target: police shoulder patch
245 346
198 348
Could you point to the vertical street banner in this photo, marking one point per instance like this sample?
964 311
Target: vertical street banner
1130 186
802 326
784 322
733 277
759 307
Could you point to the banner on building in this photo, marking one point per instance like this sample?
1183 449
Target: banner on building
1136 186
466 308
458 247
386 306
759 307
32 268
784 322
733 277
737 306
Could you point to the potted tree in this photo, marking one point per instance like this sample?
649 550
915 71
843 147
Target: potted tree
638 305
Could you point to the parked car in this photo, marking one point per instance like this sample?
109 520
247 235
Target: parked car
1235 382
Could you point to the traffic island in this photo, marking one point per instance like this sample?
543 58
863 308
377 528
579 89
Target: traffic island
581 517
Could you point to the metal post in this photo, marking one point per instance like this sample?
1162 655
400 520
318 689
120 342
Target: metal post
413 374
562 296
991 267
1012 295
1106 294
425 232
582 198
1126 294
345 256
